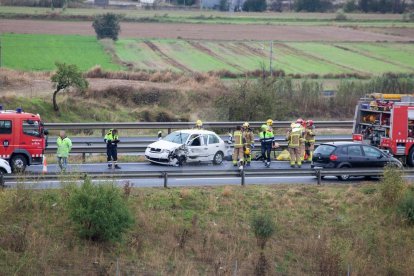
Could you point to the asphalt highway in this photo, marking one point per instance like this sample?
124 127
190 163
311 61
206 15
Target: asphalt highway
178 181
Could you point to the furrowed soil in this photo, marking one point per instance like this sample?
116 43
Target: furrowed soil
205 31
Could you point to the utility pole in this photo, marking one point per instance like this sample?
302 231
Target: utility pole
0 54
271 58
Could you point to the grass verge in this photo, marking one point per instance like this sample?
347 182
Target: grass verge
193 231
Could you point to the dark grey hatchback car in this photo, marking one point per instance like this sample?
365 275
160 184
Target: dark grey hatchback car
351 155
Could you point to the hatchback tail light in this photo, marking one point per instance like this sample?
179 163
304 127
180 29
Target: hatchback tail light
333 157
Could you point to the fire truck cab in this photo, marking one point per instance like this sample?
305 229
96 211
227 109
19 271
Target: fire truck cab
22 138
387 122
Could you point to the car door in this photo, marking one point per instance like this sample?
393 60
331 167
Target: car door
6 138
356 156
373 157
198 151
213 145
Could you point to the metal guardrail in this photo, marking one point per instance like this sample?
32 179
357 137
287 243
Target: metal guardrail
139 147
318 173
180 125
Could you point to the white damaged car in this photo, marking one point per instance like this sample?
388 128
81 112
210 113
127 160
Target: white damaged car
4 167
187 146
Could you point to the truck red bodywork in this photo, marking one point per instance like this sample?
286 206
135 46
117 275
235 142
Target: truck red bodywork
390 129
21 136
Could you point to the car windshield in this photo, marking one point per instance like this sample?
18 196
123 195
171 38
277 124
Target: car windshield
177 137
325 149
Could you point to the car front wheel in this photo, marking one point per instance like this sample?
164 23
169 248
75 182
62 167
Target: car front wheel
218 158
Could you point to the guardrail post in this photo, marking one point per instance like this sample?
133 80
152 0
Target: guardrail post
103 132
169 130
1 180
165 176
83 157
243 178
318 176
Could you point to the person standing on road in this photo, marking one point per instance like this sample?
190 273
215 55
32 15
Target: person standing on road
64 146
310 139
248 138
266 140
294 136
112 139
238 153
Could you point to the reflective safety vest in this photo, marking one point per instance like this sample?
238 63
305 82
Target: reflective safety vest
294 139
110 137
238 139
310 135
266 136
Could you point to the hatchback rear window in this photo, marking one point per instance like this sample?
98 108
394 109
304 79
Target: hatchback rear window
325 149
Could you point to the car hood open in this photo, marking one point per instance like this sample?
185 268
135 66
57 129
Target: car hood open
162 144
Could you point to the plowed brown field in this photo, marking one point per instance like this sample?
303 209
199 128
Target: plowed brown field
205 31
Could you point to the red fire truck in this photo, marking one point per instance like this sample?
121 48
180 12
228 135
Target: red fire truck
387 121
22 138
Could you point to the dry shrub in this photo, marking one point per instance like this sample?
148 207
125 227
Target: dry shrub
227 191
262 265
14 238
159 115
185 193
391 187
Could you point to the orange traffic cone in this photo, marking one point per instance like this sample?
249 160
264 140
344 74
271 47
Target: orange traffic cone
44 170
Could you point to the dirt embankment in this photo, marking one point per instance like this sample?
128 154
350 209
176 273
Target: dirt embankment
205 31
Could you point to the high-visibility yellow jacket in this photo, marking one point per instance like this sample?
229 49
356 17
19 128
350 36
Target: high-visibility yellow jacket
238 139
310 135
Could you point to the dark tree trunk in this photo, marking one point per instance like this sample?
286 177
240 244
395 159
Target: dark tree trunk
55 106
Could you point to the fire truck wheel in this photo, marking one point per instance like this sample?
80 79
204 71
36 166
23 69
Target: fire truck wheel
18 163
410 157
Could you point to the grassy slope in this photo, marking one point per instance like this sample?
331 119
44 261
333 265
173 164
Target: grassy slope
40 52
71 109
214 17
204 231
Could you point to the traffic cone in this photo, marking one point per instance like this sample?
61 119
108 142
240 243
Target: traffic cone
44 170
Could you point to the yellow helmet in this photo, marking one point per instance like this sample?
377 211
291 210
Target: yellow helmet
269 122
199 123
247 151
246 125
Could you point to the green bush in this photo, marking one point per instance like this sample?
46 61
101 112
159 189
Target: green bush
107 26
255 5
392 186
405 207
263 228
99 212
340 15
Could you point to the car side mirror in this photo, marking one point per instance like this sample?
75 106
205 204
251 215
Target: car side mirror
46 132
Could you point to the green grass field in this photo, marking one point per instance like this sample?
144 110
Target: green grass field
40 52
293 58
213 17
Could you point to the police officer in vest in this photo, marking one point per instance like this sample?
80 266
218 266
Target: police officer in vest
112 139
266 140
